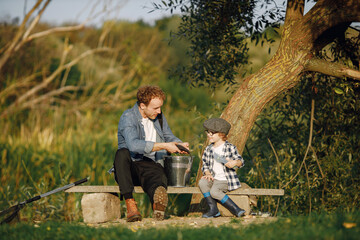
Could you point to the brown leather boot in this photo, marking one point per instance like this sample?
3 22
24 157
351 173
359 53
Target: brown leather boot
160 203
133 213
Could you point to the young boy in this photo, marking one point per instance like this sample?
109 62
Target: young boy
220 159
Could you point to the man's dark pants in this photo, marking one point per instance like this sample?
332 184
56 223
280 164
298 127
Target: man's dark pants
146 173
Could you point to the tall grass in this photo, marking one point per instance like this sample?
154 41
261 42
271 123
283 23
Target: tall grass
38 163
55 150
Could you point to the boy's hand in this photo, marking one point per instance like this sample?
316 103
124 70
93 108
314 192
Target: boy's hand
232 163
208 177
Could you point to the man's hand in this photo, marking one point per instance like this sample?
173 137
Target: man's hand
170 147
185 144
184 147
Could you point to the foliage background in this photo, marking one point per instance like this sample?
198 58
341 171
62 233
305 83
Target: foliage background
57 139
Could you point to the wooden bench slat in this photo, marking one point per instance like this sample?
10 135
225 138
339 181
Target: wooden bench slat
188 190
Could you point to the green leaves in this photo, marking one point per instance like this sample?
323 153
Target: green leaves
331 178
338 91
216 31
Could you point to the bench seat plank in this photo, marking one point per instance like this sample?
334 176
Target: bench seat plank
176 190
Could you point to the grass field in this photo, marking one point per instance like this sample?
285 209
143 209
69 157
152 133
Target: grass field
339 225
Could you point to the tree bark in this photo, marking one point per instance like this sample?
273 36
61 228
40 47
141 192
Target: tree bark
294 57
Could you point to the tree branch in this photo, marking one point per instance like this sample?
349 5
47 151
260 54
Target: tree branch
55 30
23 35
10 48
34 23
27 37
329 14
294 11
13 88
332 69
48 95
47 80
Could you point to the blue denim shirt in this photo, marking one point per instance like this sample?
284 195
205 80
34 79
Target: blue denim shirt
131 134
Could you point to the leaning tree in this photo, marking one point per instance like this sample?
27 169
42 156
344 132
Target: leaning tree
212 27
302 38
217 30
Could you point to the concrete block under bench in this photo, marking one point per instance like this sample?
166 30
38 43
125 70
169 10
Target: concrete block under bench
100 207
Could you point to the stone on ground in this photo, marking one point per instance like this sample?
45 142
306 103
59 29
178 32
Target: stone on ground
100 207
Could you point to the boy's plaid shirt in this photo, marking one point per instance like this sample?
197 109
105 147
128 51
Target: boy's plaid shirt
230 151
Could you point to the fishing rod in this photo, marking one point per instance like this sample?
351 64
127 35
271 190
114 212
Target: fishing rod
16 208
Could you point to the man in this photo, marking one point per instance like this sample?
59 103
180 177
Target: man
144 137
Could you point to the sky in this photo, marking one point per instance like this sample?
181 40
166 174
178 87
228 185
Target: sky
60 11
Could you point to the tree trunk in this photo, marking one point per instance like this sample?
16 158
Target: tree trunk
293 58
302 36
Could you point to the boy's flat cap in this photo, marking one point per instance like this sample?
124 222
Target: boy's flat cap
217 125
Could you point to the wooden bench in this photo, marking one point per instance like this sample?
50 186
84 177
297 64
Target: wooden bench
177 190
99 203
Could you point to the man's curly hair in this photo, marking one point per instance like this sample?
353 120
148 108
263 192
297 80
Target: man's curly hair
146 93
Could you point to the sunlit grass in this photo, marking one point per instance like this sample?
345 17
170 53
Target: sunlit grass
338 225
43 158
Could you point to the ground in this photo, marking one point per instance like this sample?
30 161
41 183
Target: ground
192 221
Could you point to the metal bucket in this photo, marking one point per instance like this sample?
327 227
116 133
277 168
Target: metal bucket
178 170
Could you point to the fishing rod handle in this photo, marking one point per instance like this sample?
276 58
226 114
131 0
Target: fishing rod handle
32 199
80 181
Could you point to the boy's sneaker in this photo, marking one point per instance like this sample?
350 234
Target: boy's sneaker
160 203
